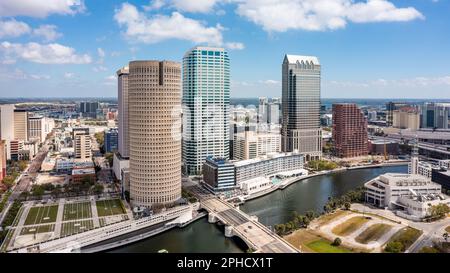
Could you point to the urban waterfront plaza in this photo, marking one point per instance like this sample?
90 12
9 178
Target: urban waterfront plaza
224 127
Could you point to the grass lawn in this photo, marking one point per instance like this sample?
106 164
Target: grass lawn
407 236
37 229
110 207
324 246
75 211
42 215
71 228
373 233
349 226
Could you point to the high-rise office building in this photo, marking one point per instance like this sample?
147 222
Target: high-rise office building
435 115
206 106
350 137
406 118
82 143
122 86
7 121
89 109
2 159
262 110
36 128
301 106
154 116
273 111
20 125
390 108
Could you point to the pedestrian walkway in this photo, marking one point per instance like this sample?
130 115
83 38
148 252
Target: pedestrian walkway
94 213
59 217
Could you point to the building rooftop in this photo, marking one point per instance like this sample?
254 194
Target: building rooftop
83 171
298 59
404 180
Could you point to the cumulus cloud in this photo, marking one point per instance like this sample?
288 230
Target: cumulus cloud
183 5
48 32
13 28
157 28
161 27
318 15
40 9
43 53
234 45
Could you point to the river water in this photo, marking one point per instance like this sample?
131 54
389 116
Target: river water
272 209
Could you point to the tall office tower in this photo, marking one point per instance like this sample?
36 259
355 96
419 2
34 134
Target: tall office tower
82 143
122 80
273 111
2 159
301 106
390 108
20 125
435 115
154 115
36 130
7 122
206 106
262 110
349 131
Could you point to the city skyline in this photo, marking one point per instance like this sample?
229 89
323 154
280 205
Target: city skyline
47 52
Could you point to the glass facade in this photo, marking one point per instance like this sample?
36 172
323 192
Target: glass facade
206 106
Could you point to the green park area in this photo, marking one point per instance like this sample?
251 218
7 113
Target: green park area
325 246
75 211
42 215
70 228
402 240
110 207
37 229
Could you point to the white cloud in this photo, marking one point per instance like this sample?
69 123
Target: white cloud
101 52
234 45
40 8
154 5
271 82
202 6
194 5
69 75
48 32
318 15
43 53
99 68
158 28
13 28
415 82
18 74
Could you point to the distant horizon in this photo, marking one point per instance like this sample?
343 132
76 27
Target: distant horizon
341 98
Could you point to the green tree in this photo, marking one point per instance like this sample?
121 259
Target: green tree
337 242
98 189
428 249
439 211
394 247
347 205
22 165
445 236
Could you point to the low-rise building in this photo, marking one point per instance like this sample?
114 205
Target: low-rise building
410 195
218 174
81 175
119 164
268 165
442 177
379 147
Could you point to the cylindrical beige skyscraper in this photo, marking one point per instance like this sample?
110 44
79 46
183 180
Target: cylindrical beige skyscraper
155 132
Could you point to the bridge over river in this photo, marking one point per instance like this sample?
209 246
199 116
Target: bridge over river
237 223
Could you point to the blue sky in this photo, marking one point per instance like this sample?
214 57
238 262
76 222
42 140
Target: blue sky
368 49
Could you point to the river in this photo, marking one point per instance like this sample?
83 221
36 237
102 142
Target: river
274 208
